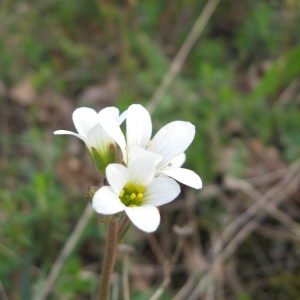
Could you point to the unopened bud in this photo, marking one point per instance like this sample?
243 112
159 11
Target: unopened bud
99 161
112 153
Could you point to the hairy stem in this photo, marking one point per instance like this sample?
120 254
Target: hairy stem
109 259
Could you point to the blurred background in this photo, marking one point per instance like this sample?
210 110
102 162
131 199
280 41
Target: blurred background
238 237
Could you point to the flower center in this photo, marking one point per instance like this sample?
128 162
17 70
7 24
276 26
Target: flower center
132 195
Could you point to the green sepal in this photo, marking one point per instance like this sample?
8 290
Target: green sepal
100 163
102 160
112 154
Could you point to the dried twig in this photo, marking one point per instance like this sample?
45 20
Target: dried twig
245 231
272 198
2 292
161 289
255 209
125 276
163 260
182 53
192 217
277 234
210 287
156 248
11 253
197 249
233 278
177 250
189 285
126 251
115 286
263 180
287 94
263 259
270 208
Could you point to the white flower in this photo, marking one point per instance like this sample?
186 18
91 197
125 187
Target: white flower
135 190
166 148
100 132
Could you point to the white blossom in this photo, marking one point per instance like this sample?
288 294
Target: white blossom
166 148
136 191
100 132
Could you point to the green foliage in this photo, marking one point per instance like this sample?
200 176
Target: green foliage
281 73
72 280
35 231
288 282
136 295
243 296
261 31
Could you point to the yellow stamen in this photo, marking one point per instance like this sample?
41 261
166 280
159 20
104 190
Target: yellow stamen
131 190
128 185
132 195
140 189
149 144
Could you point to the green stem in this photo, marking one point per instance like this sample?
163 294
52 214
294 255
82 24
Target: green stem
109 259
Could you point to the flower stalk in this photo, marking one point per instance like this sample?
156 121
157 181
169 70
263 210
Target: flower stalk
109 259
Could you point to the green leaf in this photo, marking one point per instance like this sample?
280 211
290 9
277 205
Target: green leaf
243 296
281 73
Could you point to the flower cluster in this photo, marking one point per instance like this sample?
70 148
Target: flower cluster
140 170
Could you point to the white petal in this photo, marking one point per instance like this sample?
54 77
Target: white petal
136 152
106 202
184 176
172 140
146 217
99 139
161 190
142 170
112 128
83 138
122 117
117 176
138 126
84 119
178 161
111 111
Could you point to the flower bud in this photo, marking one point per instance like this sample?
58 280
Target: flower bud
104 158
